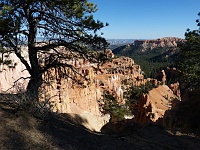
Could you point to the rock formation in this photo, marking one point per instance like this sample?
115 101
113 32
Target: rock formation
161 42
68 96
84 97
185 115
71 97
152 106
14 76
176 89
162 76
165 47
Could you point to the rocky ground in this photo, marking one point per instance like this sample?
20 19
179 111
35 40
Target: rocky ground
21 131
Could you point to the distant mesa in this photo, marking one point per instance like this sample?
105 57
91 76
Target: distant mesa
161 42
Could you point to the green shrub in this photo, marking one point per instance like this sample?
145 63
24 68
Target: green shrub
116 110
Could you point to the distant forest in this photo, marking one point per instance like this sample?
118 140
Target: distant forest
151 60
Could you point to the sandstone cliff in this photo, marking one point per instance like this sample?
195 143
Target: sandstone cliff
161 42
14 77
184 116
152 54
138 46
71 97
84 97
152 106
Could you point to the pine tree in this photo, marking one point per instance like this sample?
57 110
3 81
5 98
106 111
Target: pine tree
66 23
190 58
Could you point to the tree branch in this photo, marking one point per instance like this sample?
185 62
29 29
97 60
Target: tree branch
16 50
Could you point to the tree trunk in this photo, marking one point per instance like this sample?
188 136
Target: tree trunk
33 87
35 72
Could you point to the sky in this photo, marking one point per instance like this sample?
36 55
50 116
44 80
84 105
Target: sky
147 19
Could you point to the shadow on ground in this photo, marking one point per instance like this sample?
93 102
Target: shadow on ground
19 130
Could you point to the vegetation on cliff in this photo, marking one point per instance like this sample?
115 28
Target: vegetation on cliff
111 106
150 56
69 24
184 117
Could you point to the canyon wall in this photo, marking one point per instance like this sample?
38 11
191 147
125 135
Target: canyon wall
184 116
161 42
13 76
71 97
84 97
152 106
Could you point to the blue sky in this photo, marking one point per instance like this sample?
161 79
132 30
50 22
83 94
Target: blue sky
147 19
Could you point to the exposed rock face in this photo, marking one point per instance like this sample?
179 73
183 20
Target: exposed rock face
185 115
80 98
175 88
13 76
88 120
161 42
83 98
70 97
152 106
162 76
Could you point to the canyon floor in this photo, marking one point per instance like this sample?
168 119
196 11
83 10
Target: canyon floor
21 131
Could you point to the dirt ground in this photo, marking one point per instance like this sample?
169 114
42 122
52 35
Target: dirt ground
21 131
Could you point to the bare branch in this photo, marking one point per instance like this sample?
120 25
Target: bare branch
17 52
15 82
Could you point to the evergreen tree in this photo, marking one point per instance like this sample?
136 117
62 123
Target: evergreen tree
190 58
67 23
